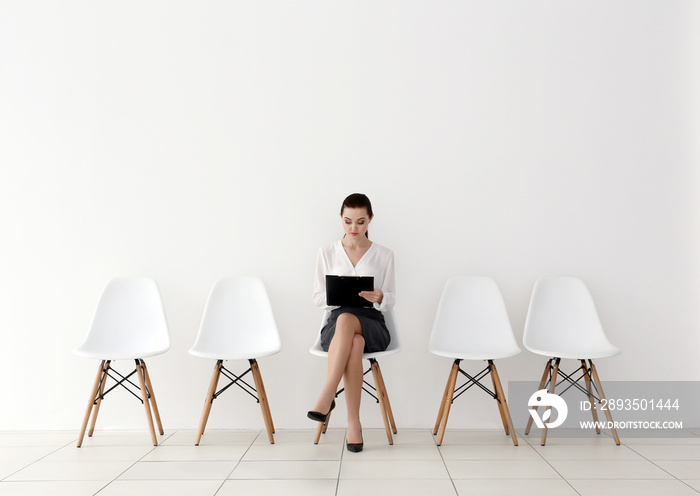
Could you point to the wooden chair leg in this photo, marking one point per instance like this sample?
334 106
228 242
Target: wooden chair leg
140 372
442 404
382 401
91 403
545 375
325 424
262 399
321 429
448 401
152 397
599 386
98 403
209 400
267 404
502 403
389 411
591 399
552 386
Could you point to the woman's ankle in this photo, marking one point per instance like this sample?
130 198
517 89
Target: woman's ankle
354 431
323 405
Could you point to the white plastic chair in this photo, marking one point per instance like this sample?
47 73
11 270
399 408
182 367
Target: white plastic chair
378 390
129 323
237 324
472 323
562 322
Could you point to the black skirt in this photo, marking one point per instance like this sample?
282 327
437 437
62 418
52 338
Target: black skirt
374 328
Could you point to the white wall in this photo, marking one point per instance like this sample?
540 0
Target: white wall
190 140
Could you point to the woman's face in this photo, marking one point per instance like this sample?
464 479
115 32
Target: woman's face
355 222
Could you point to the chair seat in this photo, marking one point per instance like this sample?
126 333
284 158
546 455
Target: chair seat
476 355
231 355
394 344
112 354
580 353
318 351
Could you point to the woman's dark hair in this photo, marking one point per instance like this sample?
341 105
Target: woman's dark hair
358 200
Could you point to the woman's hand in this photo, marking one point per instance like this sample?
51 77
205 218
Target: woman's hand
375 296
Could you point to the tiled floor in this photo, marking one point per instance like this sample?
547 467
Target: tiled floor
243 462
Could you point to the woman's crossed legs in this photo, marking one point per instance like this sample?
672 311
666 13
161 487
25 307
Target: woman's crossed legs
345 361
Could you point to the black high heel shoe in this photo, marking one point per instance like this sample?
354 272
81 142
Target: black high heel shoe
356 447
318 416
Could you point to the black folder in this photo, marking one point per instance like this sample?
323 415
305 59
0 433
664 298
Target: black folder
343 291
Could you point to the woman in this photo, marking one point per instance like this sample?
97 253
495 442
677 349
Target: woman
350 331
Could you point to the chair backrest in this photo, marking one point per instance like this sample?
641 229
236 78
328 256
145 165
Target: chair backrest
238 322
394 344
562 321
471 321
129 322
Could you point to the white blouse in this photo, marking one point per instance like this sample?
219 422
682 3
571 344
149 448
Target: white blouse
378 261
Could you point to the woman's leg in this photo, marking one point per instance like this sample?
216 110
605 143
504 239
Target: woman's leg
346 327
352 380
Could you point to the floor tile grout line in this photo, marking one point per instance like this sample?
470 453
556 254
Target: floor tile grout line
67 445
237 463
530 440
252 443
560 475
340 464
59 448
115 478
103 487
444 462
155 447
669 473
689 486
134 464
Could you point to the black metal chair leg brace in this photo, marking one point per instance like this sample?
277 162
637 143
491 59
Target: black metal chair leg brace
593 390
258 393
448 398
98 393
